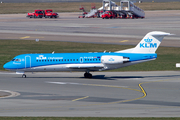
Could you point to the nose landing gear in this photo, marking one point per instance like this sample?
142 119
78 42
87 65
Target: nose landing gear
24 76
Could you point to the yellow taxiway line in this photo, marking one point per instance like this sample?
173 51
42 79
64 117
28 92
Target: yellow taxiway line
80 98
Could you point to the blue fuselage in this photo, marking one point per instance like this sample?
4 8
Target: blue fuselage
27 61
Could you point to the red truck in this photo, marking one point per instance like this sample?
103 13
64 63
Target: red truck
36 14
43 13
109 14
50 14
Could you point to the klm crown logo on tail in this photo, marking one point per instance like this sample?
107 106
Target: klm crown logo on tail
148 44
148 40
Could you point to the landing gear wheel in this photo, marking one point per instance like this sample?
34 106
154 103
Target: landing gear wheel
23 76
87 75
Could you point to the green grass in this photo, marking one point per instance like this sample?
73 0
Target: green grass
82 118
14 8
167 56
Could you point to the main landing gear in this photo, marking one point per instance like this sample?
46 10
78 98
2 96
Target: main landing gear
24 76
87 75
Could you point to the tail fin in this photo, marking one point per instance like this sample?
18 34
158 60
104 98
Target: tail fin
150 42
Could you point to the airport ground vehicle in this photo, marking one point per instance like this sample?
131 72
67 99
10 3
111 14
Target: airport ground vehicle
109 14
36 14
43 13
50 14
83 15
127 9
84 12
131 10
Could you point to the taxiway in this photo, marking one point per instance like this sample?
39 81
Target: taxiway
107 94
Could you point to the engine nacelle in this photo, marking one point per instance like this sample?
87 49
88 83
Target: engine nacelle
110 59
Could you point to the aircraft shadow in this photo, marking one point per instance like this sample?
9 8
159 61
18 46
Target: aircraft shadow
103 77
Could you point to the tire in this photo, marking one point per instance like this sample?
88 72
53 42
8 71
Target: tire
87 75
23 76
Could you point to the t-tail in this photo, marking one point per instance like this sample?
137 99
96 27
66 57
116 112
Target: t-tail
150 42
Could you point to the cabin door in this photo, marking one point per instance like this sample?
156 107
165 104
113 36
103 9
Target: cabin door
27 61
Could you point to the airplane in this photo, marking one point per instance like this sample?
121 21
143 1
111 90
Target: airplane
87 62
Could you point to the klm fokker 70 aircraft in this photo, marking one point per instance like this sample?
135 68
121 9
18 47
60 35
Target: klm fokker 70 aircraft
86 62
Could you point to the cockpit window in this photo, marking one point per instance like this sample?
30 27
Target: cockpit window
17 60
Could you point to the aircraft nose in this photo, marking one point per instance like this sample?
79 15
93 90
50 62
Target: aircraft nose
6 66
